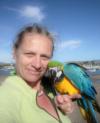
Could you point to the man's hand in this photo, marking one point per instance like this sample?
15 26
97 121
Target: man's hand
65 104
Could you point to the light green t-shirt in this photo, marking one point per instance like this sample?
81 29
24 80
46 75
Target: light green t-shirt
18 104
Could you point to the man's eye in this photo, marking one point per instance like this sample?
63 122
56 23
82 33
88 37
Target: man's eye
29 54
45 58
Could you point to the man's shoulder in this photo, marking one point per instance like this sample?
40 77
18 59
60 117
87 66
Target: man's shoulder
9 90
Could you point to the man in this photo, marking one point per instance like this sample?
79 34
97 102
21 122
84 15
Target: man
22 98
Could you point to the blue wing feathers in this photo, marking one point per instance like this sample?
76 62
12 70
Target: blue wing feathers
83 82
80 79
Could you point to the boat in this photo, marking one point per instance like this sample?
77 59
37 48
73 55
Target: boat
92 70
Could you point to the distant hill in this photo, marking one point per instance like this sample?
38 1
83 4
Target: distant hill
4 64
87 61
92 62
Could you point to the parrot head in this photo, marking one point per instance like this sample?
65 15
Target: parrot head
61 83
55 74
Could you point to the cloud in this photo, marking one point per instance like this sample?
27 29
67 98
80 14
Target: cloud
70 44
31 12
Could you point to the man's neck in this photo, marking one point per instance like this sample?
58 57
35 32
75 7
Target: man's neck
35 85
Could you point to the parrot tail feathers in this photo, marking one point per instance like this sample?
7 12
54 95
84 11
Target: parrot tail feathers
85 115
92 113
96 105
90 119
87 110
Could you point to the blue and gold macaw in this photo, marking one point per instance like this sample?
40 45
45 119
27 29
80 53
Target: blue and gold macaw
71 78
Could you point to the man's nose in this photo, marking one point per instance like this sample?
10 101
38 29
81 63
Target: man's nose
37 62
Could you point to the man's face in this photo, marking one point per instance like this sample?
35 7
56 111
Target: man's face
32 57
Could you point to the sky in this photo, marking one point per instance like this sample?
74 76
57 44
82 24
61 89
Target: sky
74 23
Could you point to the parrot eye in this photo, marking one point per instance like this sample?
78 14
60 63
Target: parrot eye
53 73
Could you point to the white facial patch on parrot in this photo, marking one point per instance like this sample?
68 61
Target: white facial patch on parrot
59 73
